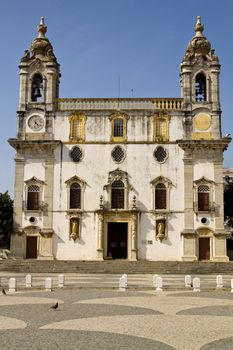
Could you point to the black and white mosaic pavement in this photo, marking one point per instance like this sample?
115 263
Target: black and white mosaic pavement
109 319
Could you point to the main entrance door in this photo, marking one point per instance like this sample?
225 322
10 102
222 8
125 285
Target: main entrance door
204 248
117 240
31 250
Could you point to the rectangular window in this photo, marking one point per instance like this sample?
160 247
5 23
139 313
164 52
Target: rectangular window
160 199
118 128
75 199
117 198
203 201
33 201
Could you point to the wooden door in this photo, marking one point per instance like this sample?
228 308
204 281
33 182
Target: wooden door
117 240
204 248
31 249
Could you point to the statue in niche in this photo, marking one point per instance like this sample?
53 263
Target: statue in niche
160 230
74 228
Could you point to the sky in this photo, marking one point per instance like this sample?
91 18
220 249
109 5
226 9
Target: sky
96 41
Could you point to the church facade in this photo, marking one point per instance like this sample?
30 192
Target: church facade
119 178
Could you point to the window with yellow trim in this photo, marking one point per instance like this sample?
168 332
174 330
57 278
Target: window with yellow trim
118 127
77 127
161 127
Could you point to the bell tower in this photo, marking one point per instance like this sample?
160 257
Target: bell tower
39 86
199 73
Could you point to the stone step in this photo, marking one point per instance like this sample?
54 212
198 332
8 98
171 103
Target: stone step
116 267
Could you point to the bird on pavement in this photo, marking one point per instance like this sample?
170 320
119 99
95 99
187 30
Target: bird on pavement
55 306
3 291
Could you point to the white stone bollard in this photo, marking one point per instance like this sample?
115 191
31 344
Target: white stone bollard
196 284
123 283
219 281
159 284
48 284
61 280
12 285
232 286
155 280
28 281
188 281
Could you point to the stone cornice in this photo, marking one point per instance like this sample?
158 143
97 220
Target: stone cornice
204 144
40 145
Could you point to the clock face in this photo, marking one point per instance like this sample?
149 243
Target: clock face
36 123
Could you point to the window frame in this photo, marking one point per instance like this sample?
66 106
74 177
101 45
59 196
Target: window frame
40 184
167 184
82 184
118 175
160 121
118 116
80 136
204 182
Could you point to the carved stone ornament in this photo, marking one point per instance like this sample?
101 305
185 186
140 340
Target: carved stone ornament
199 49
40 48
46 233
160 227
74 228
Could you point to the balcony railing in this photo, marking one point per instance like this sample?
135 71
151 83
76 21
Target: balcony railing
67 104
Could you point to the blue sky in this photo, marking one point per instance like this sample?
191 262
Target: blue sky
95 41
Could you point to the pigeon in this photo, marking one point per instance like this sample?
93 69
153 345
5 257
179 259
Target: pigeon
55 306
3 291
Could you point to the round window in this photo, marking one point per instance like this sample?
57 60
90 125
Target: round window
118 154
76 154
160 154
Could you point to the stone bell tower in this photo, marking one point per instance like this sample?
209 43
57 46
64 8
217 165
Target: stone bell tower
35 145
39 86
200 70
203 145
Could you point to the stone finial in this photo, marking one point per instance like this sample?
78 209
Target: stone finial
41 28
198 27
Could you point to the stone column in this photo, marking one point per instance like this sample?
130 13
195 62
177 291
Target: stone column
100 236
45 251
134 237
219 251
17 239
189 236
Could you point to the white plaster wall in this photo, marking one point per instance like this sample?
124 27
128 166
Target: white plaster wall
34 167
169 249
84 248
203 168
98 126
142 168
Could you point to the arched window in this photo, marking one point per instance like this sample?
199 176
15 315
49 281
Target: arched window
75 196
160 196
203 192
118 197
37 88
33 195
200 87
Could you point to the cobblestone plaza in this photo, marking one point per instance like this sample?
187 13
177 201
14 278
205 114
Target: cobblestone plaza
94 314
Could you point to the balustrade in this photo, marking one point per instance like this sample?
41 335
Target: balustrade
119 103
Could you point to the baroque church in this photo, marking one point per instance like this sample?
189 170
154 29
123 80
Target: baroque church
119 178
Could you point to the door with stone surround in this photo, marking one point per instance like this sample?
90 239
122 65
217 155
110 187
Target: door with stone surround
117 247
31 247
204 248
